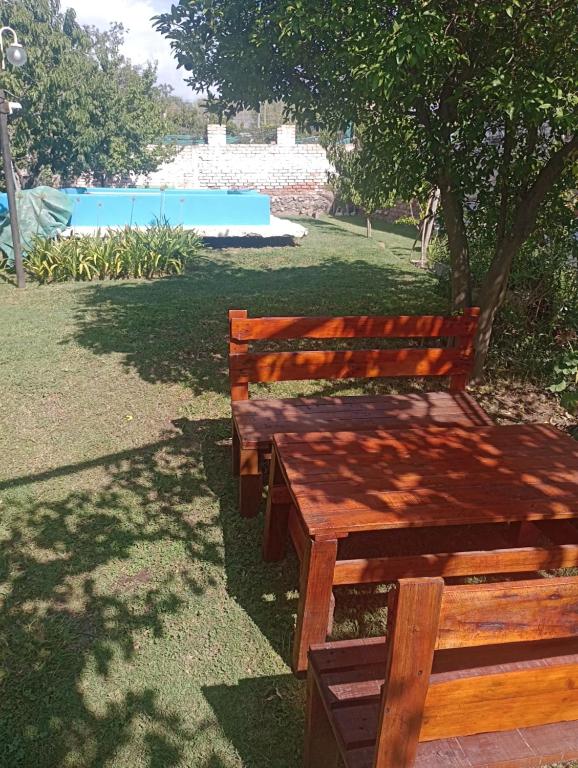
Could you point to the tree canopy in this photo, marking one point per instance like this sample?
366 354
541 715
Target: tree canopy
85 108
354 180
478 99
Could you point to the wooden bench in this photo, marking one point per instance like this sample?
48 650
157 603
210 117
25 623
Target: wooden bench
255 421
470 676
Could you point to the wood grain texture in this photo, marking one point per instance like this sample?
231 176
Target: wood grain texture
347 364
414 610
315 587
345 481
257 420
513 560
510 705
250 482
510 612
239 389
502 700
348 327
321 747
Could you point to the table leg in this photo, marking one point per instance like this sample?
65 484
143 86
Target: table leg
315 589
250 482
276 515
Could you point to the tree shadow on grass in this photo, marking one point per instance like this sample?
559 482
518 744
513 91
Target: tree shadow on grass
263 718
175 330
59 620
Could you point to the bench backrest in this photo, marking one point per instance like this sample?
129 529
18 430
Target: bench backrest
247 367
427 624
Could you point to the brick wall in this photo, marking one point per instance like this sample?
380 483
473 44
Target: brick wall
295 175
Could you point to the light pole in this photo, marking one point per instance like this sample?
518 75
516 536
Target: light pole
16 55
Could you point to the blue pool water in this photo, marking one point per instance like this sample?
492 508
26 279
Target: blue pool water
110 207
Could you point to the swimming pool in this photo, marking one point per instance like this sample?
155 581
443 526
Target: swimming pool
120 207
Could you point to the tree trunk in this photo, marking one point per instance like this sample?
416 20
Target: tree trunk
368 226
496 281
492 295
428 225
453 214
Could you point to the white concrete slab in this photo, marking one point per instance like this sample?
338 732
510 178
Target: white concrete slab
276 228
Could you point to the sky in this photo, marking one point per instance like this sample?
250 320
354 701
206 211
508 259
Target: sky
142 42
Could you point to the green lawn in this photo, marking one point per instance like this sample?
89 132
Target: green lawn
139 626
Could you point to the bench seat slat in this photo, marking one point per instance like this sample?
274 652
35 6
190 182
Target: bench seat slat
522 748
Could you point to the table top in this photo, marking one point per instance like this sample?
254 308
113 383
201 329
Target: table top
344 482
257 420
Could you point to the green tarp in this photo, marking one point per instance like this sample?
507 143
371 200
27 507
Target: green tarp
42 212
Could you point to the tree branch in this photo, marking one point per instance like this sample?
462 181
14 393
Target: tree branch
529 204
504 183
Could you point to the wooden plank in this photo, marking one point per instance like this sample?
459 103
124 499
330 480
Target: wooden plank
346 364
522 611
357 724
413 614
315 584
239 389
320 743
250 482
367 479
523 748
466 563
414 405
297 534
501 701
465 341
305 404
362 683
345 654
526 437
324 467
347 327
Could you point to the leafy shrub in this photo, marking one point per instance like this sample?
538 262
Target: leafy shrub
566 379
127 253
538 321
411 221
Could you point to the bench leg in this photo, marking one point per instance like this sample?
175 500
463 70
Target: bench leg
236 453
315 589
250 482
276 518
321 750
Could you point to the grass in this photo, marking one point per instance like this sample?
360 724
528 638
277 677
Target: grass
138 623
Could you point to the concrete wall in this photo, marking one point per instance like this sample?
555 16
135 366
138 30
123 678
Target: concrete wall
295 175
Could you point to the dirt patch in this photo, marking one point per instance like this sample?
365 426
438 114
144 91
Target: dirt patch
516 403
131 583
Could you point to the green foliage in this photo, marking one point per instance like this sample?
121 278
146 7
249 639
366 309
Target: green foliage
127 253
566 379
408 73
85 108
184 117
538 323
354 180
410 221
478 99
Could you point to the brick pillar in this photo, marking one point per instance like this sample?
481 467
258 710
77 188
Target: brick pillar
286 135
216 135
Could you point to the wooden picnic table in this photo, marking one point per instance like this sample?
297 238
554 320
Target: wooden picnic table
519 483
256 421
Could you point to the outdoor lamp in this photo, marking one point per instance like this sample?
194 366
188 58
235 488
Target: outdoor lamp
15 53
